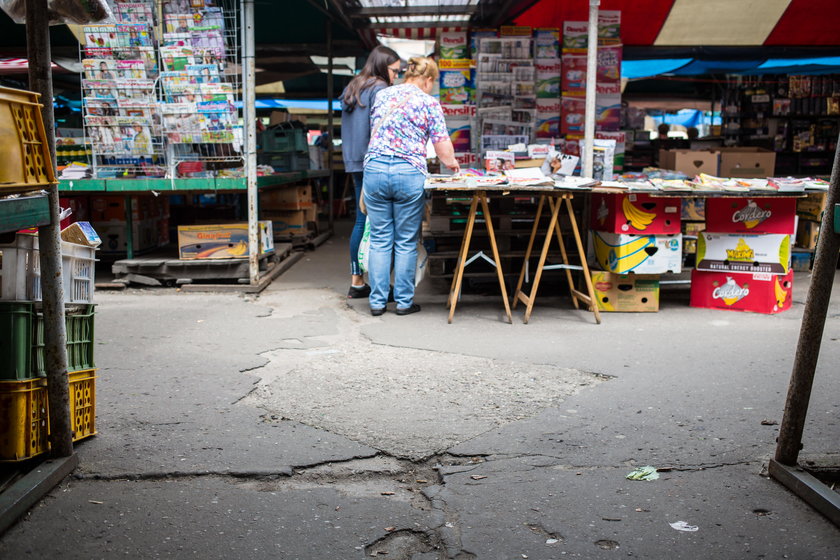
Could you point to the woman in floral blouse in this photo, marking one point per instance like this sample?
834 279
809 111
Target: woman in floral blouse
403 119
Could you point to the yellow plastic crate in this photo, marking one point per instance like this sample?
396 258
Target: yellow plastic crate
25 162
24 414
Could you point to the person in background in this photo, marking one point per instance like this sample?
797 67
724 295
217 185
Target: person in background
663 129
380 71
403 120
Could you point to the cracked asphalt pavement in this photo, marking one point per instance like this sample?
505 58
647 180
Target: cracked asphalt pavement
294 425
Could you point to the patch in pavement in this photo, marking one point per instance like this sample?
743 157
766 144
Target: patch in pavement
407 402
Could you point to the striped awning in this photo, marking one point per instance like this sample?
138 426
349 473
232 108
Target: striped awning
18 66
735 23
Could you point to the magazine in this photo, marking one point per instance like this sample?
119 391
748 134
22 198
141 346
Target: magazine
498 161
99 68
130 69
203 73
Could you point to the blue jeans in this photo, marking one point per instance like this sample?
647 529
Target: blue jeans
395 199
358 227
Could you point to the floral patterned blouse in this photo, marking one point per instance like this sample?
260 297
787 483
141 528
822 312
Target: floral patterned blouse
416 119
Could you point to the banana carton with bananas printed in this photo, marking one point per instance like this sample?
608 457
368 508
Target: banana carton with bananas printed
629 293
736 252
759 293
221 241
643 254
635 213
751 215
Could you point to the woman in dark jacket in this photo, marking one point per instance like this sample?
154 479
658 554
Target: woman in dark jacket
380 71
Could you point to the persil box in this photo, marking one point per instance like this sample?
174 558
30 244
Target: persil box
760 293
635 213
642 254
732 252
751 215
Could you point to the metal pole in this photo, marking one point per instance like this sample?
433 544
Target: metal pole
591 82
811 332
330 128
249 117
49 241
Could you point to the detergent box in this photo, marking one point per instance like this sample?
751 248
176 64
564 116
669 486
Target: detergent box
759 293
637 293
634 213
457 82
643 254
221 241
751 215
731 252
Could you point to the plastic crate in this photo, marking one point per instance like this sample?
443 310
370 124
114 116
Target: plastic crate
22 340
24 413
284 140
20 271
25 418
25 162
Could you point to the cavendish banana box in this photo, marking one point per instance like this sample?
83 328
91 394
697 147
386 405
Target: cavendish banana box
751 215
694 209
759 293
635 213
732 252
221 241
636 293
643 254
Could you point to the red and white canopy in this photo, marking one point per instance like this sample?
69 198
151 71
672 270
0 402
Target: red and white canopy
705 22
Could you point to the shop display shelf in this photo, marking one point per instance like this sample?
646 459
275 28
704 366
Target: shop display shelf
22 340
24 411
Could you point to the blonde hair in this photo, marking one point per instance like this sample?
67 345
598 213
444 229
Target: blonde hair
422 67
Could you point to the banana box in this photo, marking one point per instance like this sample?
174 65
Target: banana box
635 213
634 293
751 215
643 254
733 252
759 293
221 241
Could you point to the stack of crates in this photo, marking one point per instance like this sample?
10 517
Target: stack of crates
285 148
24 417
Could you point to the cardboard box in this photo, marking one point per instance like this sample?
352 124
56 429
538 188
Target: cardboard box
293 222
751 215
746 162
689 162
759 293
642 254
693 209
723 252
145 234
287 198
690 232
807 233
112 207
812 206
634 213
800 260
221 241
637 293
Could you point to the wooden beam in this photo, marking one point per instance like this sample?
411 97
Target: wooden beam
361 13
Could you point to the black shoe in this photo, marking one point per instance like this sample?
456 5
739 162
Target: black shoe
358 292
408 310
380 311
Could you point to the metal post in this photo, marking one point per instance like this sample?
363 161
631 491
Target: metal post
811 332
249 117
49 241
330 128
591 73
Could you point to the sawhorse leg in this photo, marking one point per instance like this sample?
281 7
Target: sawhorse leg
455 290
528 300
499 273
517 294
589 297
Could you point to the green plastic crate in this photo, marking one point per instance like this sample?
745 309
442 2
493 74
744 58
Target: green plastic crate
22 339
16 321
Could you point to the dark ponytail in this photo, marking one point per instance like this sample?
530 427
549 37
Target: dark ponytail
375 70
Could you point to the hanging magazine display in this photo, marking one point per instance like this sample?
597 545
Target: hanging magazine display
160 89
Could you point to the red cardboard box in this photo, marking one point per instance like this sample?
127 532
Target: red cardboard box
635 213
759 293
751 215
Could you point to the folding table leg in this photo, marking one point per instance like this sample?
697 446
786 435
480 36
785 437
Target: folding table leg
489 223
593 305
517 294
555 209
462 258
559 233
